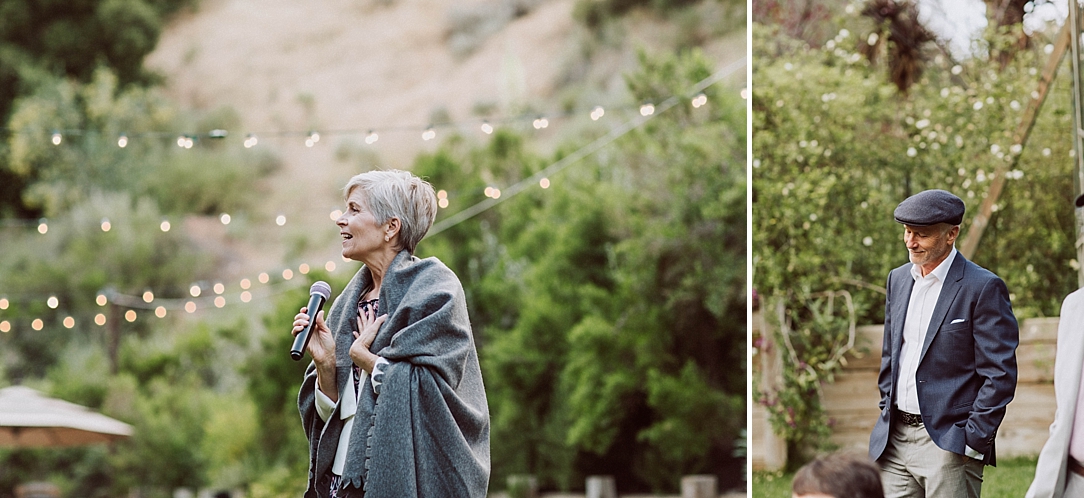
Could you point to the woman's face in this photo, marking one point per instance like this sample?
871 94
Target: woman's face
362 235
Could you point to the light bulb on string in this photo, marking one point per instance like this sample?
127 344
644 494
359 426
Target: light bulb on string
544 183
487 128
597 113
122 141
334 215
190 307
219 288
165 226
263 278
540 123
195 290
647 109
330 266
57 138
148 296
371 137
745 93
700 100
220 302
5 326
4 303
69 322
52 302
37 324
160 312
287 274
250 141
429 134
101 300
280 220
225 218
99 319
246 283
246 296
106 225
312 139
130 315
303 269
43 226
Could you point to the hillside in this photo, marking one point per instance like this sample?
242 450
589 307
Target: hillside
386 65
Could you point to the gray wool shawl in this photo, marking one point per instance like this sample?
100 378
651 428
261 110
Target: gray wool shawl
426 434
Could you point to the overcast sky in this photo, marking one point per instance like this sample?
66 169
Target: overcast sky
960 21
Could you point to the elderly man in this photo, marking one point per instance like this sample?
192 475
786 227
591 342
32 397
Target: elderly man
838 475
948 362
1060 472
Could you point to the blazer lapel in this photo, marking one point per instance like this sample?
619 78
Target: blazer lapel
905 283
949 289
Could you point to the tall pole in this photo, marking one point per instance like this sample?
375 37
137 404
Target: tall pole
1078 129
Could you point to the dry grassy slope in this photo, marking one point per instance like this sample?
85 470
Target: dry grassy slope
356 65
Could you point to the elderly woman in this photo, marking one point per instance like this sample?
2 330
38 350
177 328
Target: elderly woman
393 402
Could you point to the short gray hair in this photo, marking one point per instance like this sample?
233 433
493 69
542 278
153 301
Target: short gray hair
398 194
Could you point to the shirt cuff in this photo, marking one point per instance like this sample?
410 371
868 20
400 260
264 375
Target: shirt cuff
972 453
324 406
378 373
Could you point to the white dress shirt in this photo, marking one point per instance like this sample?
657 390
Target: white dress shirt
919 311
349 400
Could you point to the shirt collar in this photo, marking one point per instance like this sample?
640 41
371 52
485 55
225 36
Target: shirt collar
940 272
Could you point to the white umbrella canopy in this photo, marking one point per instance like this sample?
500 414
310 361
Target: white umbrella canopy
29 419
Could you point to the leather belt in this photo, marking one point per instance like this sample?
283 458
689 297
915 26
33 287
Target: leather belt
1075 467
912 419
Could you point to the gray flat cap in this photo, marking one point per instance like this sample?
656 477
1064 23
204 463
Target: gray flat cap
930 207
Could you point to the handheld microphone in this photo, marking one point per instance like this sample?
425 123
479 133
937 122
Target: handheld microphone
318 294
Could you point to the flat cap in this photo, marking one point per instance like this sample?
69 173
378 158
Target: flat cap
930 207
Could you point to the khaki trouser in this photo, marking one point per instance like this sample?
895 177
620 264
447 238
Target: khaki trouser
912 466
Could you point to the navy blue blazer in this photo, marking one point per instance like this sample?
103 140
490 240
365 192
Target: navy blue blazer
967 369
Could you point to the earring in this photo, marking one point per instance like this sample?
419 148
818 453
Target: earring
386 238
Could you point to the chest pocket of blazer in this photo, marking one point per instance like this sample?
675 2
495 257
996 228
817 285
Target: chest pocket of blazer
956 327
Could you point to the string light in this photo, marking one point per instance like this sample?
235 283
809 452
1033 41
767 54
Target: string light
312 139
5 326
334 215
52 302
164 225
224 218
429 134
597 113
57 138
487 128
148 296
542 179
442 199
250 141
219 288
195 291
303 269
246 283
69 322
371 137
4 303
700 100
540 123
122 141
280 220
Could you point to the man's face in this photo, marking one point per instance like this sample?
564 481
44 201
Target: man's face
929 246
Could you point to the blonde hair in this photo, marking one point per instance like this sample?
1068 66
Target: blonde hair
398 194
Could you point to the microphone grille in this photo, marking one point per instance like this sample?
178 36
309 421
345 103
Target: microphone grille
322 288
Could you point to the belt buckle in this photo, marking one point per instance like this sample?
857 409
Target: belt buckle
911 419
